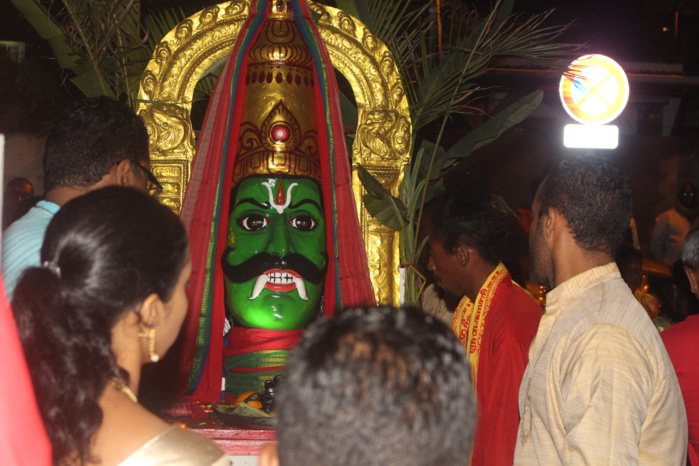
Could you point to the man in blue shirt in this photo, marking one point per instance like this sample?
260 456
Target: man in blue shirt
94 143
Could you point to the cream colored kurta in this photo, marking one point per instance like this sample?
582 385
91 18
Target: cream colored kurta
599 387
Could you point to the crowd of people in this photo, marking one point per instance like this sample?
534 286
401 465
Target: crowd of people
97 272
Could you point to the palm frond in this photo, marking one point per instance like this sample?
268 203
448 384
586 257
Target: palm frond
100 42
49 29
160 22
440 79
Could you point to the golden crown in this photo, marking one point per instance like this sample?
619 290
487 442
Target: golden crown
279 132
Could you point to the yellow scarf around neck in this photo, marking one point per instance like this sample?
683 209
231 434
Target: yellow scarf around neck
469 318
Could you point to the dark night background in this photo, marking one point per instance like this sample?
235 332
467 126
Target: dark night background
629 30
626 30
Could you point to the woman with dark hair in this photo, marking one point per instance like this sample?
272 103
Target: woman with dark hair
109 297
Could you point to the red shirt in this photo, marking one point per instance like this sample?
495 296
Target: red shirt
510 327
682 342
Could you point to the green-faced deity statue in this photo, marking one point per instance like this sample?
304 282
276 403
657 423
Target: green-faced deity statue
275 261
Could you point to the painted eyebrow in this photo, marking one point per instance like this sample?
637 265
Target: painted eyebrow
249 200
305 201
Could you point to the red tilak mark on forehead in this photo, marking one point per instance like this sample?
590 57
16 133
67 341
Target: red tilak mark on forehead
280 194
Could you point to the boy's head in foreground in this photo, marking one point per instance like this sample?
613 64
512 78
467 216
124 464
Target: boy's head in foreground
376 386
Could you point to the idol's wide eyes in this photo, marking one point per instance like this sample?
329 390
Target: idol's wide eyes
253 222
303 223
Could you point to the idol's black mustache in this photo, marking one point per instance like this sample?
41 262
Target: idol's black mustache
264 261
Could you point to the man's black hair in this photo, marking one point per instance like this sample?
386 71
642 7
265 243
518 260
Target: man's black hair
690 249
594 198
376 386
475 222
89 138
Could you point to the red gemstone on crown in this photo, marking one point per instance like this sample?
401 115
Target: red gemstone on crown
280 133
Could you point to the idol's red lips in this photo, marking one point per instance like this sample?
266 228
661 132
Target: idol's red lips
281 280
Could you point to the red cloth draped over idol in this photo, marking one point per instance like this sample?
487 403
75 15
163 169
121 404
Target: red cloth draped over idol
275 239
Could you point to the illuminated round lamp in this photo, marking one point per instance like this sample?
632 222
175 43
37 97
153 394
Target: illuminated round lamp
595 90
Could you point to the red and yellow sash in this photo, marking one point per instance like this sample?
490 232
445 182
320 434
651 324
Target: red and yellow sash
469 318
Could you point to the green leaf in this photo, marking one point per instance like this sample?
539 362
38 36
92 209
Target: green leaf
48 28
421 246
90 85
429 148
371 184
388 210
493 128
348 109
504 10
502 205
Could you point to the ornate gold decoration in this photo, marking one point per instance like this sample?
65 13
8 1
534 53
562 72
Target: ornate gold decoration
273 139
278 146
382 143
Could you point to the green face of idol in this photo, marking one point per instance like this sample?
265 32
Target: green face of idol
274 264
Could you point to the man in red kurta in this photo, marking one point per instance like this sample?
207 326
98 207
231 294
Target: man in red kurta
682 341
496 320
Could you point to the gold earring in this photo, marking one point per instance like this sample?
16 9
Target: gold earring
154 357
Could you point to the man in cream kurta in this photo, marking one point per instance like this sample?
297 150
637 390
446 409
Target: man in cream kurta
599 387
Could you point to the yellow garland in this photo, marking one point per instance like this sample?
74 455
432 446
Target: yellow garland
469 318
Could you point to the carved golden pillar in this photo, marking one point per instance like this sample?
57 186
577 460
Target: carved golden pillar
383 137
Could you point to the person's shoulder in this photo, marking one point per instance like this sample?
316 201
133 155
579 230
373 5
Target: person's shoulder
686 331
201 449
26 234
609 345
515 313
619 338
607 305
614 302
178 446
518 301
34 222
16 228
21 245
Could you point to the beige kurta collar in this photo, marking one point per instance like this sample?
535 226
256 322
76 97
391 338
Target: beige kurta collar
579 283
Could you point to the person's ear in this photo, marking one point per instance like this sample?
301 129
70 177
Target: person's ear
463 255
549 222
269 455
693 280
152 311
125 173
